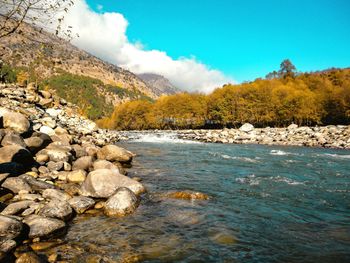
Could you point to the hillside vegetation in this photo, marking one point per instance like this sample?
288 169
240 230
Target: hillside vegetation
282 98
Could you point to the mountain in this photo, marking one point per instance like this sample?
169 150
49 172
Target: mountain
45 55
159 84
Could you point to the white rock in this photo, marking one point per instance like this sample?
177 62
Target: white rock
47 130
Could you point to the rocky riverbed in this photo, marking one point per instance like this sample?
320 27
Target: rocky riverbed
54 165
325 136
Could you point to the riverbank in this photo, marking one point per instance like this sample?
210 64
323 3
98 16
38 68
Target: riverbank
324 136
54 165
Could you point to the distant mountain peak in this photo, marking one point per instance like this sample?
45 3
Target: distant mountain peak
159 84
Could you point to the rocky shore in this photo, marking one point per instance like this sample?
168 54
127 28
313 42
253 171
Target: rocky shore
326 136
54 164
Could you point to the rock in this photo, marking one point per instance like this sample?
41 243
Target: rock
42 158
34 144
83 163
63 139
47 130
16 184
55 194
28 257
36 185
187 195
57 153
102 183
81 203
44 227
13 138
58 209
53 112
77 176
49 122
59 131
55 166
292 127
17 154
6 245
43 170
15 121
114 153
17 207
45 94
10 228
103 164
46 103
32 87
247 127
122 203
31 197
79 151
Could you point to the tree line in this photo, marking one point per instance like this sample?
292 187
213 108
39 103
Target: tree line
282 98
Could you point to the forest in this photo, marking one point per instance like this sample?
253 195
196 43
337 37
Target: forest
281 98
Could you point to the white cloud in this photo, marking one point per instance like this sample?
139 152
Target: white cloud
104 35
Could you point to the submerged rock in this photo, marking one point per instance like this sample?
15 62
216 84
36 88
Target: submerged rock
102 183
122 203
187 195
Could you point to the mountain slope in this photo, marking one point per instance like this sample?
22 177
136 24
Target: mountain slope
159 84
47 55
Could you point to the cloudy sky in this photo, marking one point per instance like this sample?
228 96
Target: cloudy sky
200 45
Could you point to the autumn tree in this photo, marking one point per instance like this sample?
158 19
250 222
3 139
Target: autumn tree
287 69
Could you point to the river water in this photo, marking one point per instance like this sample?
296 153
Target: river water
268 204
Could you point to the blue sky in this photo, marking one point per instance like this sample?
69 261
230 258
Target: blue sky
243 39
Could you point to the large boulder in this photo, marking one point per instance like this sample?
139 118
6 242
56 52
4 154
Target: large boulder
15 121
122 203
102 183
114 153
44 227
81 203
247 127
16 184
58 209
17 154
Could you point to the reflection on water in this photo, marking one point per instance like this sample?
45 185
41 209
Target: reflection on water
268 204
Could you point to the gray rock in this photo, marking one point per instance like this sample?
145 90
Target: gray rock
17 154
102 183
43 170
103 164
17 207
55 194
49 122
6 245
36 185
13 138
55 166
83 163
81 203
10 228
47 130
16 122
247 127
34 144
114 153
16 184
57 209
57 153
44 227
122 203
79 151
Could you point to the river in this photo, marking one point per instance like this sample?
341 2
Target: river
267 204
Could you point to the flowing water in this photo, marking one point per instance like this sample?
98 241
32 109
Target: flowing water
268 204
